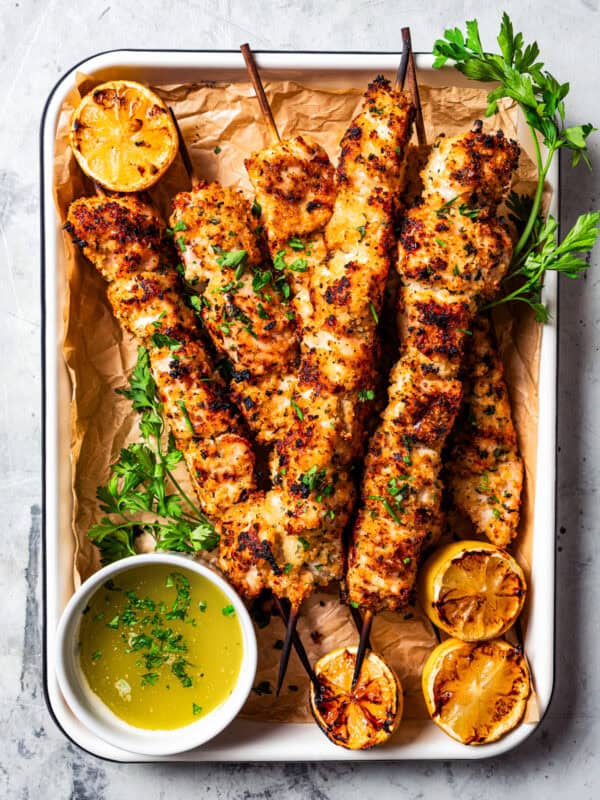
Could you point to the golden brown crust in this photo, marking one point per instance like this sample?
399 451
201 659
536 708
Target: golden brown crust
294 541
126 240
243 309
484 470
449 261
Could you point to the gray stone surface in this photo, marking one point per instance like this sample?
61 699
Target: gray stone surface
40 40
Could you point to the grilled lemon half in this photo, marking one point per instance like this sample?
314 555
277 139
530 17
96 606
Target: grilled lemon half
476 691
123 136
472 590
365 717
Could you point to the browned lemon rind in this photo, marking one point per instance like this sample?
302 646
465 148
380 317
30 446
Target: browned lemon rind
123 136
472 590
359 718
485 470
476 692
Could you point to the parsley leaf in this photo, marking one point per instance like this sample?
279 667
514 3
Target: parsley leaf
142 495
521 76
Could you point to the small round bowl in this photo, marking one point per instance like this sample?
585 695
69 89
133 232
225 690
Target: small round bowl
88 707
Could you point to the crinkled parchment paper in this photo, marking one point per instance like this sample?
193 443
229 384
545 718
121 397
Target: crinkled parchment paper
99 356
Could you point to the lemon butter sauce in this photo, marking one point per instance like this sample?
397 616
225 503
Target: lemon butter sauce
161 647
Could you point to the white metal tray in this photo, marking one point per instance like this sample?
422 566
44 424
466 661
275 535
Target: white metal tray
245 740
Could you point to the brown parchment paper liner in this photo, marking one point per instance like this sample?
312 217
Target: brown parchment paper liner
99 357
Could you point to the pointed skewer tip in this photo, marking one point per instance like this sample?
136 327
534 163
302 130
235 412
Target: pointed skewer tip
259 91
363 646
185 153
290 632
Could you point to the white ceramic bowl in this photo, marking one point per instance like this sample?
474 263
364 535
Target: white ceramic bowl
98 717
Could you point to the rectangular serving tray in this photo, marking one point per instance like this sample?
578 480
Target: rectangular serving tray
248 740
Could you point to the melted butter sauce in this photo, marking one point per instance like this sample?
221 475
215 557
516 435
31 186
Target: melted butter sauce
161 647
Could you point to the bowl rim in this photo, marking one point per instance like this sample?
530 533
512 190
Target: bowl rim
121 734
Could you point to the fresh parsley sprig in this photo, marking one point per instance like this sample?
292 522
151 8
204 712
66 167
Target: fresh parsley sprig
522 77
142 494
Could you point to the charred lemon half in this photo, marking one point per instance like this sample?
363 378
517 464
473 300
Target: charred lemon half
476 691
472 590
123 136
359 719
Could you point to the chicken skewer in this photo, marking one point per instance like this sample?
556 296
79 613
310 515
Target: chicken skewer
242 306
407 72
453 251
192 214
484 470
126 240
338 339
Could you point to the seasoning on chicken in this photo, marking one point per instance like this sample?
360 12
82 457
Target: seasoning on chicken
453 251
126 240
294 182
292 540
243 302
484 470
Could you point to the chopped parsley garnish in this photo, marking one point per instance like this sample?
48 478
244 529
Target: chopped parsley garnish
362 229
233 258
374 313
179 226
96 655
365 394
162 340
440 242
181 243
227 611
186 416
217 150
442 211
298 410
256 209
296 244
196 709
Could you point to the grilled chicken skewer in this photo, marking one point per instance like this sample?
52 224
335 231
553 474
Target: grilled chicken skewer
126 240
453 251
244 295
484 470
243 307
302 520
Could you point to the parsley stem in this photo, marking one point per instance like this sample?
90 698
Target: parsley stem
199 515
537 200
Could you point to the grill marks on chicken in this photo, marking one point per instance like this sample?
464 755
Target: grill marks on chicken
453 251
125 239
292 540
243 308
484 470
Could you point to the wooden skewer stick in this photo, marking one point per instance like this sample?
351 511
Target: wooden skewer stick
291 635
406 70
298 646
185 153
413 86
290 631
358 621
259 90
403 66
363 645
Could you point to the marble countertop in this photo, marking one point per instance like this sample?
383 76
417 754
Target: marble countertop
41 39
